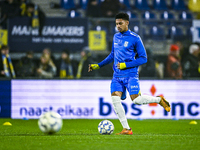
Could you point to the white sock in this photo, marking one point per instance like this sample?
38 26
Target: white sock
119 110
145 99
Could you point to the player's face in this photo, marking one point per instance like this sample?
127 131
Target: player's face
122 25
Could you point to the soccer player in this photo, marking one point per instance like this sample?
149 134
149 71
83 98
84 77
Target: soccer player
128 53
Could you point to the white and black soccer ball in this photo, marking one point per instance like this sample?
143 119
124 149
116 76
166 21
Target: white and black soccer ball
50 122
105 127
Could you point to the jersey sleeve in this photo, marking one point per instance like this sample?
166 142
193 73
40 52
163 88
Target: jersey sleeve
141 55
108 59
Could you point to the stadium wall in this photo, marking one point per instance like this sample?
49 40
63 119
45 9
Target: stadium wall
90 99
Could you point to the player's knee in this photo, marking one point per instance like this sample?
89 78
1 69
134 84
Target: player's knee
134 96
117 93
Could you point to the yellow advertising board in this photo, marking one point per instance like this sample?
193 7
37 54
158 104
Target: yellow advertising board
97 40
3 37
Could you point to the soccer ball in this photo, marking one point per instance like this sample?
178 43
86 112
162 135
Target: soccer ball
50 122
106 127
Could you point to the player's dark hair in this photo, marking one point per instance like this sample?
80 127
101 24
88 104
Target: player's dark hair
122 15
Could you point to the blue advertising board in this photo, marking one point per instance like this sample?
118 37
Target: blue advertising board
56 34
5 99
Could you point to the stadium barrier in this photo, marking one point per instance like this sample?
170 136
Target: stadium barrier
90 99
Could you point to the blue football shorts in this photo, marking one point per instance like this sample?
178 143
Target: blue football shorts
121 84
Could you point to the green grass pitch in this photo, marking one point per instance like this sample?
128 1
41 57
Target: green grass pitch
82 134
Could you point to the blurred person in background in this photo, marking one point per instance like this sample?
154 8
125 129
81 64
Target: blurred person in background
86 58
9 9
26 66
52 61
46 68
93 9
6 66
183 50
109 8
148 69
47 51
22 5
191 63
37 15
64 67
173 65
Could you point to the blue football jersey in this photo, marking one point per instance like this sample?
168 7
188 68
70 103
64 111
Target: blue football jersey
127 48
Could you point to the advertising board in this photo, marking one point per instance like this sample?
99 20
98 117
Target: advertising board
91 99
57 34
5 99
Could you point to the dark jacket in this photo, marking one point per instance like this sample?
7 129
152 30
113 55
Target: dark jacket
26 67
148 69
8 11
190 66
92 10
1 65
110 6
58 65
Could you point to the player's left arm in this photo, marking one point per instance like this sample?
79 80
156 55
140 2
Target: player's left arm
139 60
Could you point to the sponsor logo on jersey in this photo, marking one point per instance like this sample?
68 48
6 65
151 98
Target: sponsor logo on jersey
134 86
125 44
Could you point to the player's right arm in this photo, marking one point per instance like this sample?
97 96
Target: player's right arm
107 60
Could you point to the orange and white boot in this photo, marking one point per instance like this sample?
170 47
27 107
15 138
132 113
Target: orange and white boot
125 132
164 103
